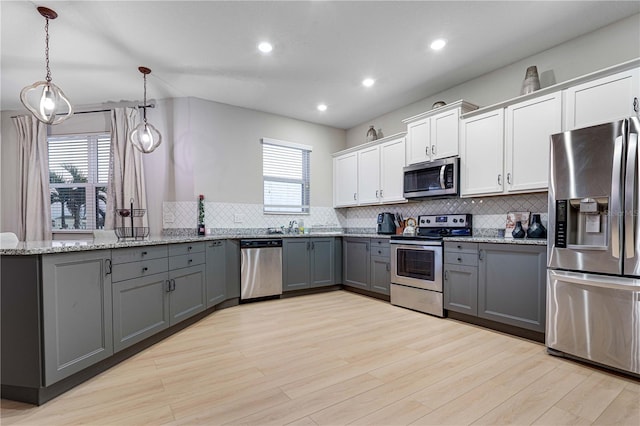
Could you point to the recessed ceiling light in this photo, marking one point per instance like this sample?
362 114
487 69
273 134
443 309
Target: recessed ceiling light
322 107
265 47
438 44
368 82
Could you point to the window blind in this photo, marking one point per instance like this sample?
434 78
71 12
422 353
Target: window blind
286 178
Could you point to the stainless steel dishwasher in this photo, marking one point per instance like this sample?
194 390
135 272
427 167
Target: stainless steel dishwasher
261 268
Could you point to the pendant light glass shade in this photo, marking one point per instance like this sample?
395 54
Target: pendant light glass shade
46 101
144 136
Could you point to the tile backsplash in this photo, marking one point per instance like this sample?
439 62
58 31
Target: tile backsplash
488 213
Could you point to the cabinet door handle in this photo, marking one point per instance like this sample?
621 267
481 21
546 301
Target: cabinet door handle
377 191
481 255
381 196
426 150
433 150
636 107
388 267
168 290
354 196
313 245
308 245
173 285
108 267
446 275
500 179
509 178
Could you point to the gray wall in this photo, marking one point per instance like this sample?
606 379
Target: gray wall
611 45
208 148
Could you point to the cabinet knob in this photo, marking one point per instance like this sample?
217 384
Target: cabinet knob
459 259
459 247
189 248
190 260
144 253
379 251
145 269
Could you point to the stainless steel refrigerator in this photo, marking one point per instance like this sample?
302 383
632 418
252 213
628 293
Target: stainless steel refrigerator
593 282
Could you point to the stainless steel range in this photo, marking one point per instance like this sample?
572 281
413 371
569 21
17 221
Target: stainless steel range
416 262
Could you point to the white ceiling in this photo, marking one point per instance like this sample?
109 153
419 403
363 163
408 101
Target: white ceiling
322 49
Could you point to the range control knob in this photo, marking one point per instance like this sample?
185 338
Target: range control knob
461 220
455 220
428 220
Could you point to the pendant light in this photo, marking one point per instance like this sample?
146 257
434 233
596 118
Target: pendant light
145 137
46 101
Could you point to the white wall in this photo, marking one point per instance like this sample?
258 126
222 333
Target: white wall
208 148
611 45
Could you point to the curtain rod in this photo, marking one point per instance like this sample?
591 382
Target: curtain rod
99 110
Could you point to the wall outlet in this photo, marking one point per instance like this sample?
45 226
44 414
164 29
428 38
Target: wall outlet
169 217
238 218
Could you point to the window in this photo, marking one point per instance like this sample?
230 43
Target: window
285 170
78 173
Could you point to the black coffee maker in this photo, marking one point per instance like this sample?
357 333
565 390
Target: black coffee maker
386 223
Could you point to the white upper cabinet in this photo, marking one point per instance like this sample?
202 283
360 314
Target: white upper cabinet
418 141
435 134
372 174
345 180
369 175
481 156
392 162
602 100
529 125
507 150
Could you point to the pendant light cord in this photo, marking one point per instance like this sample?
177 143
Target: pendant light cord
46 50
144 108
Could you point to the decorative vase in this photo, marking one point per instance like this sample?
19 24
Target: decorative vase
536 230
371 134
518 232
531 81
201 227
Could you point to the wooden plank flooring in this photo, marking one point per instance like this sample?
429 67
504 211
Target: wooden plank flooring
340 358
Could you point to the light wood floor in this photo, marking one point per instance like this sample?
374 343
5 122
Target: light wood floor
340 358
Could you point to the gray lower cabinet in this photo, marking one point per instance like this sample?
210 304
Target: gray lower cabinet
216 260
187 281
512 284
505 283
461 277
76 312
380 266
355 266
140 300
308 263
232 265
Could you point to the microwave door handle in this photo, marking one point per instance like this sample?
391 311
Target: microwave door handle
629 197
615 197
442 170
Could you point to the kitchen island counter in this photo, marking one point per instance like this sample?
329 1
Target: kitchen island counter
25 248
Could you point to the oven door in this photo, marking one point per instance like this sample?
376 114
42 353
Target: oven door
417 264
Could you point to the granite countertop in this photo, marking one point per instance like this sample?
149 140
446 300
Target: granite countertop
500 240
49 246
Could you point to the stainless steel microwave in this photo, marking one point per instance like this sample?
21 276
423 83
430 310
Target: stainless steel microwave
439 178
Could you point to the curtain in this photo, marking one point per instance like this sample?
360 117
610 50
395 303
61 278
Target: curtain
34 204
126 174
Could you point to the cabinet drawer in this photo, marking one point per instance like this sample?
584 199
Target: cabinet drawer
380 251
469 259
186 248
177 262
134 254
126 271
380 242
458 247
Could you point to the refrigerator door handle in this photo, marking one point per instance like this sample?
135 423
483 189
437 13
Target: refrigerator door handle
600 281
616 181
629 197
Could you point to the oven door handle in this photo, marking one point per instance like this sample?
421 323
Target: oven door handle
442 170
